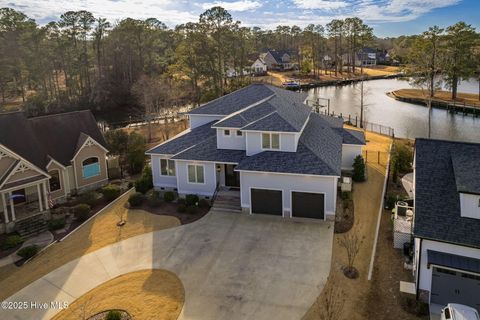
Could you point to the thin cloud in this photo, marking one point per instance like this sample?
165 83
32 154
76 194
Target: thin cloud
243 5
320 4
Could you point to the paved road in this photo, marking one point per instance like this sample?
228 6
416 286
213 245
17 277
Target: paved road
232 266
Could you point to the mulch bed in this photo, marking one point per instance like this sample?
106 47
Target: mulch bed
345 216
99 205
170 209
7 252
103 315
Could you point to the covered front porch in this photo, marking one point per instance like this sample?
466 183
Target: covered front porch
20 200
227 176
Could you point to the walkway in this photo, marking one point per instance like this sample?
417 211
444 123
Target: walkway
233 266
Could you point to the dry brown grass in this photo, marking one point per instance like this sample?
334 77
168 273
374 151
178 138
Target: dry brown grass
99 232
146 294
367 197
442 96
381 70
160 132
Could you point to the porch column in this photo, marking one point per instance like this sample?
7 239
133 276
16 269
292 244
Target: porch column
39 197
12 206
45 195
5 211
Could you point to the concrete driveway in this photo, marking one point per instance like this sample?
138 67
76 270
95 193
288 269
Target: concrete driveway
232 266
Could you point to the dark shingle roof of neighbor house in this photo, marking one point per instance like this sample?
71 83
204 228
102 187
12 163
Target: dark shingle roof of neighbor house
42 138
61 135
278 55
442 170
185 140
207 151
319 152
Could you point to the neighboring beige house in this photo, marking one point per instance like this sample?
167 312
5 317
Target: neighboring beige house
45 159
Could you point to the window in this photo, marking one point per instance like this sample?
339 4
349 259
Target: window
167 167
195 174
271 141
54 181
239 133
90 167
226 132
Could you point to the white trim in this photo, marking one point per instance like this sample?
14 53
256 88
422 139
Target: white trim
45 196
12 206
270 141
208 115
98 161
15 155
196 174
59 180
56 162
285 173
25 185
262 188
314 192
160 166
15 170
66 180
40 200
89 140
75 173
5 211
207 161
282 132
432 265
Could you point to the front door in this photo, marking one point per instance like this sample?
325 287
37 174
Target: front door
232 177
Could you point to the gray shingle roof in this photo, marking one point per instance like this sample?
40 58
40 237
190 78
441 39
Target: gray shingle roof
207 151
235 101
186 140
53 136
291 112
244 118
351 136
442 169
319 152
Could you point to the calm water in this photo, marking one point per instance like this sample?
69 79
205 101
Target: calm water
408 120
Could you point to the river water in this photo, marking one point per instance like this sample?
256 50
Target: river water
408 120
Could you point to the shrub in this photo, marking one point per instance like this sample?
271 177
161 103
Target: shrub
12 241
113 315
346 195
203 203
168 196
28 251
191 200
136 199
89 197
130 184
192 209
81 211
181 201
390 202
358 169
142 185
181 208
56 224
111 192
154 200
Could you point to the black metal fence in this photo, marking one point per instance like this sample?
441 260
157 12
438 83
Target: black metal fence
355 121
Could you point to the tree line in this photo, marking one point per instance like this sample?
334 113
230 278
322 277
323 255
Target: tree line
143 66
83 61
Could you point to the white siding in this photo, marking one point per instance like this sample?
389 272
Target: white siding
288 142
288 183
425 272
470 205
349 152
203 189
197 120
160 181
230 142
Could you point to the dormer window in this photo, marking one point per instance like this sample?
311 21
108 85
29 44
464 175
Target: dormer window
270 141
226 132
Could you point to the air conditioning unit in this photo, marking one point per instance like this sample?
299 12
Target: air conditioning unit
346 184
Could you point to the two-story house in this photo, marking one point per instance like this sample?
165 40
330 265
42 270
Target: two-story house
284 159
447 222
276 60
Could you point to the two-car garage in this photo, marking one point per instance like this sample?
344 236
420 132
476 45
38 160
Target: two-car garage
303 204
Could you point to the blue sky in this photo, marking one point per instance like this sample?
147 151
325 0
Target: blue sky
388 17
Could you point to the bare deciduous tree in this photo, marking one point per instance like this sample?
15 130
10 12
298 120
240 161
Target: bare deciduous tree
351 242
